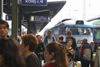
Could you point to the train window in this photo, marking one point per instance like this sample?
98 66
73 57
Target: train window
97 33
85 31
61 31
75 31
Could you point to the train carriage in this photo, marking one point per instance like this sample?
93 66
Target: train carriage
79 29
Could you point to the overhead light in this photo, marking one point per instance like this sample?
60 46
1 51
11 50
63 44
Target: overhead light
41 11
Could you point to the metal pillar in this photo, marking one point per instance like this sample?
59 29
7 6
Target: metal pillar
1 3
31 26
19 21
14 19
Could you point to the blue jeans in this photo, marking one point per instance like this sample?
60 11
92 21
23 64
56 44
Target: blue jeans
71 64
40 59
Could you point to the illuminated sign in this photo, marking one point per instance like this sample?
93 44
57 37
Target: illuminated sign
8 17
40 18
34 2
4 2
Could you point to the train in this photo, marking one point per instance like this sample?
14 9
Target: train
96 33
80 29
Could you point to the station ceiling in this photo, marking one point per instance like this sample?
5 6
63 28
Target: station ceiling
51 10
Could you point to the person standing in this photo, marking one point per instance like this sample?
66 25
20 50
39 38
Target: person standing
70 52
43 37
10 55
49 38
69 36
29 44
61 40
4 29
31 32
85 53
55 55
40 49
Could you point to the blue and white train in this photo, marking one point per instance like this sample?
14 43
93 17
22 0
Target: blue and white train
79 29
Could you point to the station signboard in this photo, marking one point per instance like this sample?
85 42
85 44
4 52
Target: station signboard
34 2
4 2
40 18
8 17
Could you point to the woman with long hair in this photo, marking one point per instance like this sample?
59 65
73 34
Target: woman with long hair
10 55
55 55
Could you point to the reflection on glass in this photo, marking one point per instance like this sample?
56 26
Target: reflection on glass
85 31
75 31
97 33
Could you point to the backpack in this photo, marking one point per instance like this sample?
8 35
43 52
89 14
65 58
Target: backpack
47 37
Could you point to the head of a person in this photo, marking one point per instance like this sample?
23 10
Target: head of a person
29 43
4 28
56 51
62 37
49 32
69 42
31 32
84 40
69 33
10 54
44 35
38 37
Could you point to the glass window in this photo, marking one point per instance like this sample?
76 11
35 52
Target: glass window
85 31
97 33
75 31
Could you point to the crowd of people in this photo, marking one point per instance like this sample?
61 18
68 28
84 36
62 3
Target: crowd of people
34 49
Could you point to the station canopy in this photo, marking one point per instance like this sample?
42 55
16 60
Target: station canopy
29 12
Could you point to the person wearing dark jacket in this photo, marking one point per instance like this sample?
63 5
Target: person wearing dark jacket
4 29
85 53
39 50
61 40
69 36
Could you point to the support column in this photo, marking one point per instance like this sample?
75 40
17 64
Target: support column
31 26
14 19
19 21
1 6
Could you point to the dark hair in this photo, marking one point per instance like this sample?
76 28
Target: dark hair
37 35
31 31
44 34
30 40
4 22
61 38
12 55
59 54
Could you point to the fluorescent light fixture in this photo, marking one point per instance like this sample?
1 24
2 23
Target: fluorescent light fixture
41 11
